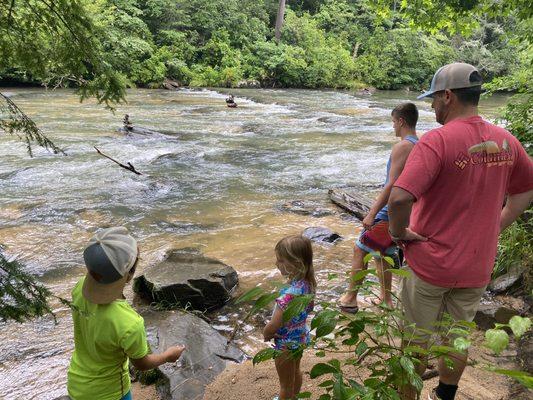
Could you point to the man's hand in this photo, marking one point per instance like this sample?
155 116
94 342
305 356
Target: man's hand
173 353
368 222
409 236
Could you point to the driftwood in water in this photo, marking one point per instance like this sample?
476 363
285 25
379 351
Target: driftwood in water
129 167
351 200
138 130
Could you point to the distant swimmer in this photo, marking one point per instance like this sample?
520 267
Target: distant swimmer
230 101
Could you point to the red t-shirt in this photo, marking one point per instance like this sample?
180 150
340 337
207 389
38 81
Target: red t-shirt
459 175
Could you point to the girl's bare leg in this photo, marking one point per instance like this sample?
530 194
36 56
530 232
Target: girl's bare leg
349 299
385 282
298 378
286 368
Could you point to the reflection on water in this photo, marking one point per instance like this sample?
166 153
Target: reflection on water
213 179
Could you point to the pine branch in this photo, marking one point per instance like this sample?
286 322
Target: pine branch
15 122
21 296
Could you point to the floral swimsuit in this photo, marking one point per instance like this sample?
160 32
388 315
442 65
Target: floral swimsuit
295 332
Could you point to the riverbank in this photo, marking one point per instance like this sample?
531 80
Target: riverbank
260 382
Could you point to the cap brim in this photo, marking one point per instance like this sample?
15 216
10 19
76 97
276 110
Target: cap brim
100 293
426 94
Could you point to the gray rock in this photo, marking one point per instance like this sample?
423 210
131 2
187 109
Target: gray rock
249 83
188 278
525 351
306 208
321 234
499 309
506 281
205 357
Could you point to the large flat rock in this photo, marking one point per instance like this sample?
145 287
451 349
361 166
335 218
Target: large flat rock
206 356
187 278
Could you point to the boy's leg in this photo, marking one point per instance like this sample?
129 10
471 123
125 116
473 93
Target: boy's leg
298 377
286 367
385 282
349 299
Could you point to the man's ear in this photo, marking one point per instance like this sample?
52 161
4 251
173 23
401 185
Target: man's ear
448 94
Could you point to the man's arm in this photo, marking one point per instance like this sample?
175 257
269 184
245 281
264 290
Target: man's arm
515 206
399 154
151 361
400 205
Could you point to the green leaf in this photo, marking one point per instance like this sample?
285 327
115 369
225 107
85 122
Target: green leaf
521 376
407 365
369 256
389 261
249 295
332 276
321 369
327 383
303 395
461 343
520 325
320 353
496 340
400 272
325 397
263 301
360 275
361 348
265 354
296 306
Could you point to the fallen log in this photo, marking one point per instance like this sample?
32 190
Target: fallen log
350 200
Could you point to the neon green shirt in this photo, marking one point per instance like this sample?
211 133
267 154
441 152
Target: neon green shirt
104 337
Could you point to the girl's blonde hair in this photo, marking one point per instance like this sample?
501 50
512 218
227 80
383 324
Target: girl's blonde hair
297 252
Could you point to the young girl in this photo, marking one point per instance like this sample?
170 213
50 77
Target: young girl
294 259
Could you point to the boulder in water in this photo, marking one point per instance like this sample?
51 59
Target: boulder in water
321 234
206 354
188 278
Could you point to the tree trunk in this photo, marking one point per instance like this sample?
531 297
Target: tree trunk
355 50
279 19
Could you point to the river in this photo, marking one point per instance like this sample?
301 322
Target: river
215 179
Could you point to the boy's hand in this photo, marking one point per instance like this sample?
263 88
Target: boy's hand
368 221
173 353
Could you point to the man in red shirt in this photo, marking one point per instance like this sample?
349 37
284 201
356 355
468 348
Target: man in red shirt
446 209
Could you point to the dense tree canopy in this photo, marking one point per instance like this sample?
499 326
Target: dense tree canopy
107 44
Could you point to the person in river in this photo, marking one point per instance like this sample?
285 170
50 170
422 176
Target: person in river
375 237
107 331
294 259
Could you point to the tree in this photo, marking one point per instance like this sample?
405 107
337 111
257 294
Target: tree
279 19
55 42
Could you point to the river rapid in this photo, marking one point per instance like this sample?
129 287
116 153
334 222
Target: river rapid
214 179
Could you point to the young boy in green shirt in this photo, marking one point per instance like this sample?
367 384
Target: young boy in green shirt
107 331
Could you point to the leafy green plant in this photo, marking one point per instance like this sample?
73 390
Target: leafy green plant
373 353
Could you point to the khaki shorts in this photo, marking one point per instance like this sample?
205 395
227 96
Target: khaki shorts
425 305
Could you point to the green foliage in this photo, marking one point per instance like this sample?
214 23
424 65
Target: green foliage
378 342
325 43
21 296
515 248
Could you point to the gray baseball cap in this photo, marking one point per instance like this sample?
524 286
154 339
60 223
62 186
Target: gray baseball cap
453 76
110 255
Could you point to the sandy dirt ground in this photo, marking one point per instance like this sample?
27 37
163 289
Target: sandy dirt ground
259 382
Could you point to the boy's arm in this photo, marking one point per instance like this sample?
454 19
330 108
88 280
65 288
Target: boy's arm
151 361
269 332
399 154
